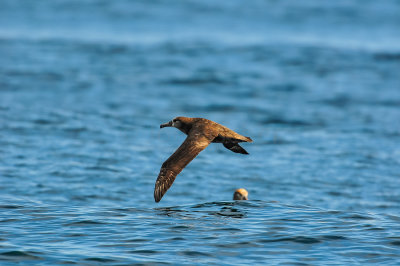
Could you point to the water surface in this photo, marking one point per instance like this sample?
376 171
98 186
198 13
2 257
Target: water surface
85 85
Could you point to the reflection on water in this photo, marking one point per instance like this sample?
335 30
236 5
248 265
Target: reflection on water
249 231
226 209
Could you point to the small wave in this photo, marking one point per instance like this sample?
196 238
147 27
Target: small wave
85 222
334 237
52 76
97 259
11 206
276 141
387 56
296 239
195 81
395 243
180 227
288 87
136 240
229 212
17 255
75 130
290 122
192 253
358 217
144 251
338 101
102 168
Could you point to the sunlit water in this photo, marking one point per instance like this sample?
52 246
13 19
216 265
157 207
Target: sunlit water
84 86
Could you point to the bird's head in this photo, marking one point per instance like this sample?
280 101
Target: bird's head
240 194
180 122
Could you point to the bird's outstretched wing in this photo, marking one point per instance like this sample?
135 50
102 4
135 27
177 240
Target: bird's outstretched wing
189 149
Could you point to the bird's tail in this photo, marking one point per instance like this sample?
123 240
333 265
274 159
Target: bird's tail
248 139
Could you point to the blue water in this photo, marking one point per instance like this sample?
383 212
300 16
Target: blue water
84 86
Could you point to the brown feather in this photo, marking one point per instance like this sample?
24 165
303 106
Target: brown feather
235 147
189 149
201 132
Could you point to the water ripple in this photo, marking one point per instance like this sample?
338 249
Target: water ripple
84 86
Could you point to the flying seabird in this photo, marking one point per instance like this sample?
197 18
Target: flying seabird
240 194
200 133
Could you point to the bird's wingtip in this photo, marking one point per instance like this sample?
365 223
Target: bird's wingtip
157 195
157 199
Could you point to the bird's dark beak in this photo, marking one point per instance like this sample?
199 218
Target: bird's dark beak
169 124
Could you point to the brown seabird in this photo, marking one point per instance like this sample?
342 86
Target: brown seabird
200 133
240 194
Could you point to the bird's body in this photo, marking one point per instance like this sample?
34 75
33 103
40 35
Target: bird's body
200 133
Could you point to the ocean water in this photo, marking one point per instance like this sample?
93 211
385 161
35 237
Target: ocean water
84 86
